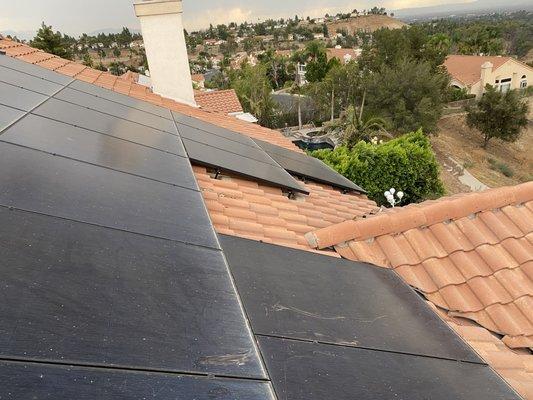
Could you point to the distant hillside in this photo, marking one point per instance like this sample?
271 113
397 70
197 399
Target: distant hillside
367 23
479 6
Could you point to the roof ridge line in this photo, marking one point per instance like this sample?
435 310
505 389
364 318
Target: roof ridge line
398 220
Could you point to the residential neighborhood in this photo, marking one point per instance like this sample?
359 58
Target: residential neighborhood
334 206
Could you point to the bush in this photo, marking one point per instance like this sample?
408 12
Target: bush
406 163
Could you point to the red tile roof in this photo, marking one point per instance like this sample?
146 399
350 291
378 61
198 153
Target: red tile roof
470 254
419 241
224 101
467 69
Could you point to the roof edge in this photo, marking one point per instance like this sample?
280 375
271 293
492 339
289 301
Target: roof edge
398 220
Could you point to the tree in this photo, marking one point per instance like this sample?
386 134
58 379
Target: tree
116 52
499 115
51 42
354 127
254 91
87 60
410 96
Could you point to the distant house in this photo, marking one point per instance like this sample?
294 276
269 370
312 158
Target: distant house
475 72
319 36
210 42
137 44
198 80
343 55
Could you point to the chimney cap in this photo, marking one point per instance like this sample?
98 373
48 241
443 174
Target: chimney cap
487 65
145 8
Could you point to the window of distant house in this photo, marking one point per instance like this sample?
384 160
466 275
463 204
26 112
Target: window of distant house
523 82
505 85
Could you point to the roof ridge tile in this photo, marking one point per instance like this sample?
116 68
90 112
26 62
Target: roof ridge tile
419 215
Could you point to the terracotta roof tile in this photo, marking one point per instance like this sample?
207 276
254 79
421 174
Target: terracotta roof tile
474 260
267 213
224 101
467 69
515 366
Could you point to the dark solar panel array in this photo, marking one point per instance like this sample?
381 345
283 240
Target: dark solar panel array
329 328
214 146
307 167
110 264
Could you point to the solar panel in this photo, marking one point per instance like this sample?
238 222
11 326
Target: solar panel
307 167
120 98
301 295
223 149
250 150
216 158
22 99
116 109
311 371
29 82
35 70
182 119
71 189
87 295
80 144
109 125
44 381
8 115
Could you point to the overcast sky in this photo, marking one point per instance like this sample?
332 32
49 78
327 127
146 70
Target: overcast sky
77 16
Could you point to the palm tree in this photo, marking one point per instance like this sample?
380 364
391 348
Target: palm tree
353 127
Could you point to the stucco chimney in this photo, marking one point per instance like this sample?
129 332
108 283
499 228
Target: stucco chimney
164 41
486 71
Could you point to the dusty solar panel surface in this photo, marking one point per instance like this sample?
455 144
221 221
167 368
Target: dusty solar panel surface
112 276
329 328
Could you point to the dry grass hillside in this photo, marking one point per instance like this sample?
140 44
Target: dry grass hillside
500 164
367 23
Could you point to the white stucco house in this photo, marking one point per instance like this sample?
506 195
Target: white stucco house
475 72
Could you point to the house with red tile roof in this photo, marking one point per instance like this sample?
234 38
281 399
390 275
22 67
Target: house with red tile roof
469 256
475 72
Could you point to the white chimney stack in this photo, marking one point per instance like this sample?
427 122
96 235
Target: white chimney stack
164 41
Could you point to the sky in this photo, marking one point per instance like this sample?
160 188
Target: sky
77 16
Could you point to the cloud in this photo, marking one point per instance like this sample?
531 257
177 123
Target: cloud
216 16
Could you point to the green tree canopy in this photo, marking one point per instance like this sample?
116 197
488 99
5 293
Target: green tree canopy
254 91
410 95
499 115
51 42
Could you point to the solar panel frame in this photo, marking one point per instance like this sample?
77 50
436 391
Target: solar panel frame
8 116
29 82
221 143
22 380
34 70
115 109
23 99
75 190
120 98
307 167
305 296
241 165
314 371
80 144
108 298
97 121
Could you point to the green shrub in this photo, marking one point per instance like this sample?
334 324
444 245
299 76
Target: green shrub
406 163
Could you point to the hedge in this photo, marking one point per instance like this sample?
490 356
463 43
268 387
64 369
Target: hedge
406 163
